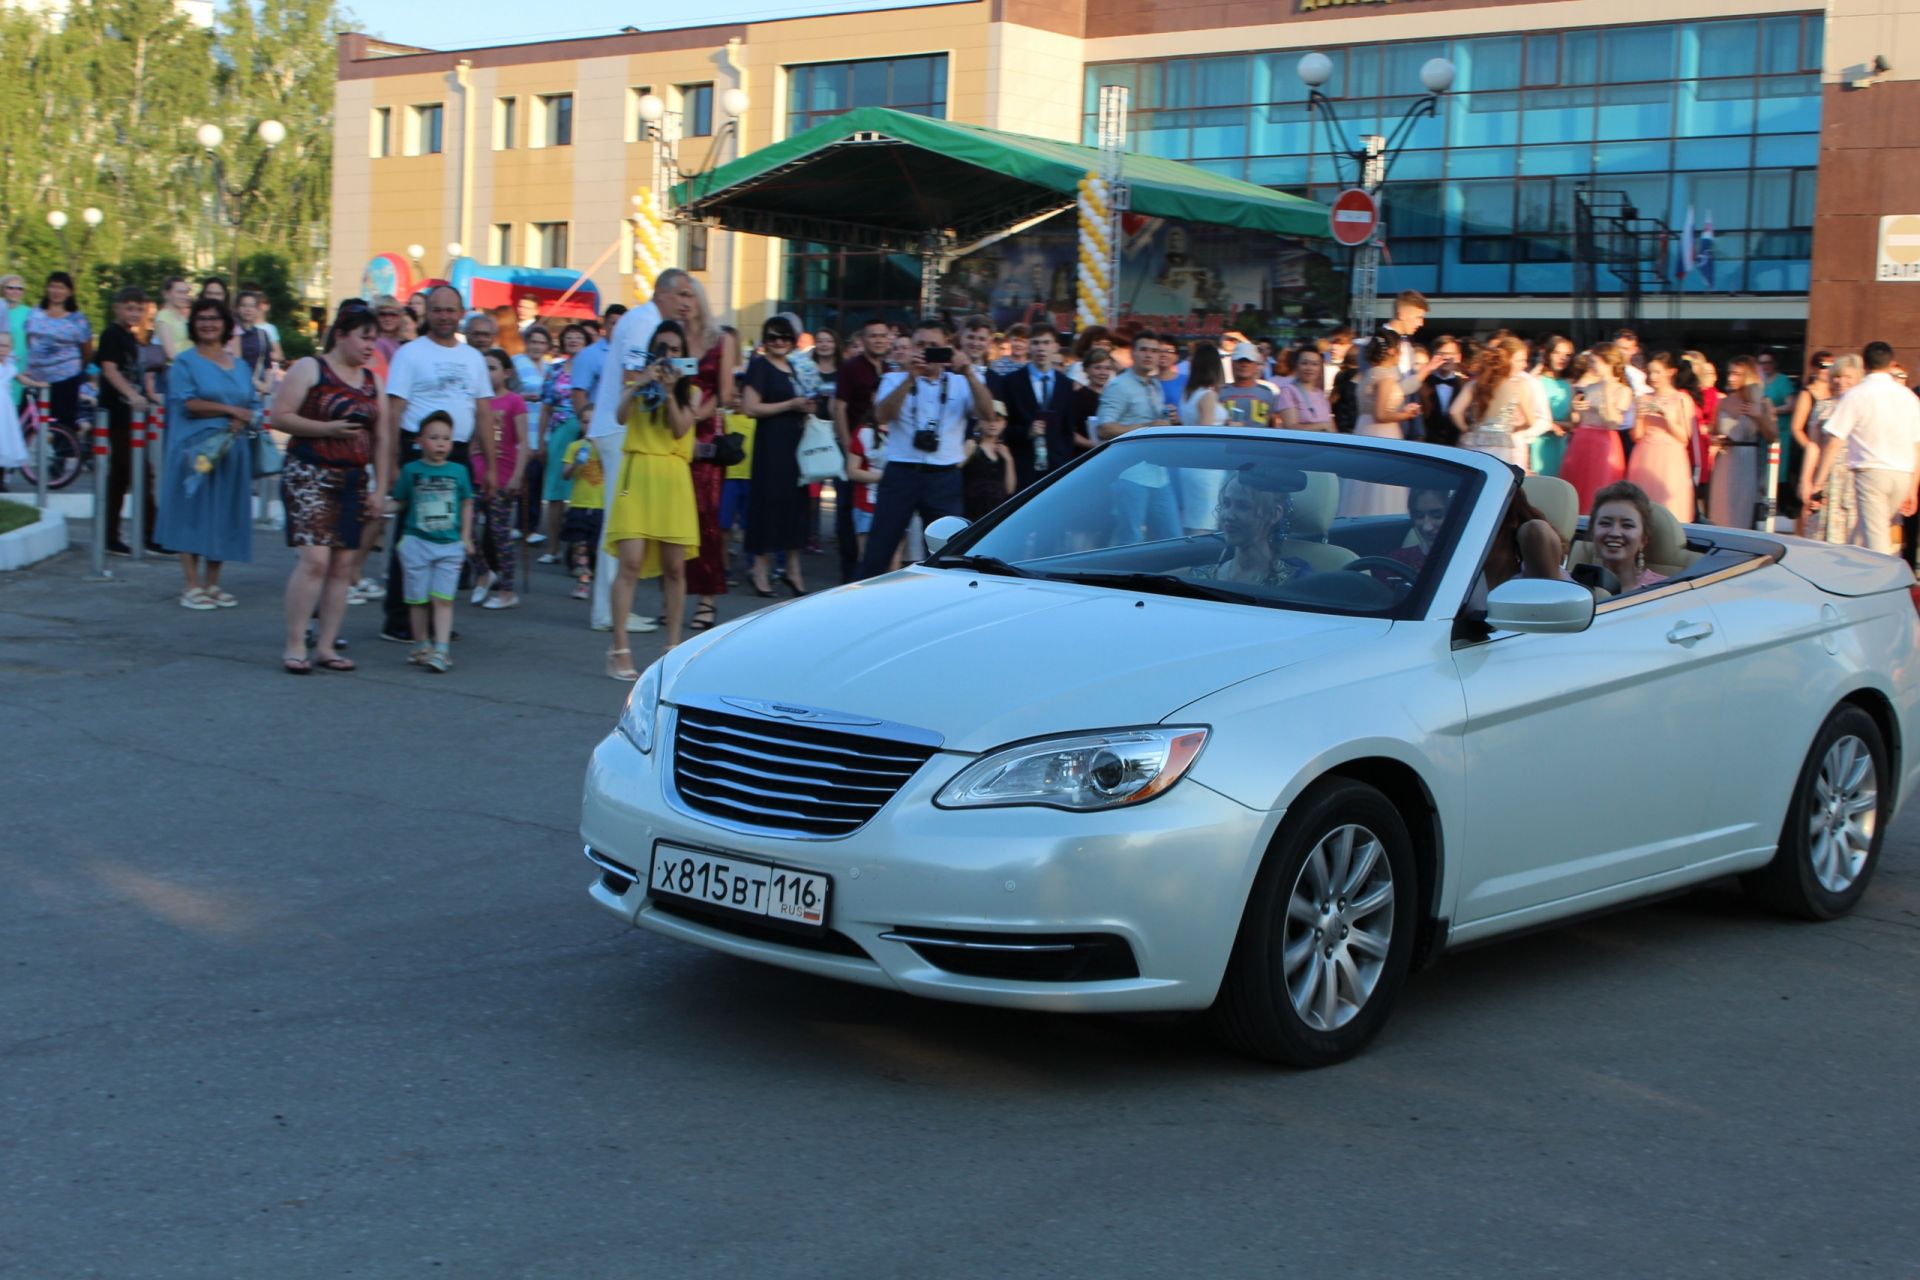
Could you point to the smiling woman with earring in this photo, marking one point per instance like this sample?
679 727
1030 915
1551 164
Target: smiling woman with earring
1620 527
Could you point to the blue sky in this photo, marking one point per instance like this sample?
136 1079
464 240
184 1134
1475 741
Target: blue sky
482 22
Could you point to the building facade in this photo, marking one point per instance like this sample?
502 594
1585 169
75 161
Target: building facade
1758 142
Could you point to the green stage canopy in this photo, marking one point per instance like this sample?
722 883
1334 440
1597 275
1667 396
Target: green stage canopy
876 178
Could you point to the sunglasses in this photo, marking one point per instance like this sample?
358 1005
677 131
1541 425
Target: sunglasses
779 337
1822 366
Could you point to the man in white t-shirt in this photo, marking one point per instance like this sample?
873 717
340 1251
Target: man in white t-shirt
675 297
924 409
1877 424
436 371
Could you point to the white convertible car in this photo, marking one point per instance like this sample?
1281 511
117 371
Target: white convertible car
1084 758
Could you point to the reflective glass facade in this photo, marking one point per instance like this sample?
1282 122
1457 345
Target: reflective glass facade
1722 118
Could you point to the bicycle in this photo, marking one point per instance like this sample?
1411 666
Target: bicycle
67 451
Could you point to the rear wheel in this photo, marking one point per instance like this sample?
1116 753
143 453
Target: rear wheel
65 453
1831 841
1325 939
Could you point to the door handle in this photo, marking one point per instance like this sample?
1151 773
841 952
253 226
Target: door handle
1688 632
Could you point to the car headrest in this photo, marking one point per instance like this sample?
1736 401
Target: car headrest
1666 540
1556 501
1313 506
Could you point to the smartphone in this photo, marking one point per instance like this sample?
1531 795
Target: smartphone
937 355
685 366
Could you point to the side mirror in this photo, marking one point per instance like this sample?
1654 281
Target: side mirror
942 531
1543 605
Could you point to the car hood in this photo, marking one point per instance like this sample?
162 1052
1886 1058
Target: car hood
983 660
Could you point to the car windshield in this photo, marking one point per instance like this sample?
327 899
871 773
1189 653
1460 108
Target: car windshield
1330 527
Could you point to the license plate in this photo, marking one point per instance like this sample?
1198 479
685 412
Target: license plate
740 884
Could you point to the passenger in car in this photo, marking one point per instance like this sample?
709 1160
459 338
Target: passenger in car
1255 509
1525 546
1428 510
1621 525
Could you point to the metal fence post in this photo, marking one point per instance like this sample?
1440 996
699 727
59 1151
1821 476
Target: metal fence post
102 443
137 458
39 402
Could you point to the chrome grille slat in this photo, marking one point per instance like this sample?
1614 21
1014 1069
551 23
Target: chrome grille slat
890 777
727 766
783 744
787 776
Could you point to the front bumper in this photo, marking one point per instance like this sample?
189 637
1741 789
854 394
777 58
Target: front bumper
1169 879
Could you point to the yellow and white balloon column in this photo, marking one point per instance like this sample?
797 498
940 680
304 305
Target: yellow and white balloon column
1095 278
651 251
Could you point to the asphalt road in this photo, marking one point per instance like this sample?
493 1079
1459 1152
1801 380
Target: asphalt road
302 980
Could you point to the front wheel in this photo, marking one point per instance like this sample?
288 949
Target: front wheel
1831 841
1325 940
65 455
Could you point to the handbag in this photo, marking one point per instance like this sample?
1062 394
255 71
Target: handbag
819 453
729 449
268 460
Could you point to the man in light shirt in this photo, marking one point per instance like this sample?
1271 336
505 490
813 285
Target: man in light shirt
1878 424
1142 498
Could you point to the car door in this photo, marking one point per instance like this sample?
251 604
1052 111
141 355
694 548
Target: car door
1580 766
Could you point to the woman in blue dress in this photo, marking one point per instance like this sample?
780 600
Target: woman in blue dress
206 503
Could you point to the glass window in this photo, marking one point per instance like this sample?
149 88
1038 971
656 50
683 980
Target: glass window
1710 153
1813 42
1219 133
1418 165
506 120
1220 82
869 83
1557 115
1570 158
1780 44
1491 62
1789 104
550 244
558 110
1284 128
1413 209
1281 171
1161 133
1772 199
1786 150
380 144
1629 157
1634 111
696 110
1483 119
1803 190
821 90
1719 196
1543 59
1718 48
1709 108
1401 73
1363 71
1636 53
1579 57
1480 162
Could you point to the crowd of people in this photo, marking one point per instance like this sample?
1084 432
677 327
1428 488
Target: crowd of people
658 443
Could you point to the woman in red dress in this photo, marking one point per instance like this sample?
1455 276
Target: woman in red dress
720 355
1596 457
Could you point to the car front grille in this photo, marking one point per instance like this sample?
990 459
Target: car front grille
784 776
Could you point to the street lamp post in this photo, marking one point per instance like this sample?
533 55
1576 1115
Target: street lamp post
662 128
1372 160
231 204
59 221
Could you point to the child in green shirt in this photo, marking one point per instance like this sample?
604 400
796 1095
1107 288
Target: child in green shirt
436 537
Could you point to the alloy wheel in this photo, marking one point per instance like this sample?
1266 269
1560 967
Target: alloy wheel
1339 927
1843 813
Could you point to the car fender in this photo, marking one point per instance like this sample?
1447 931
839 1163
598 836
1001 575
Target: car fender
1397 699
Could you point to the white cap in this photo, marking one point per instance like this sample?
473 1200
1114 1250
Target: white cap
1247 351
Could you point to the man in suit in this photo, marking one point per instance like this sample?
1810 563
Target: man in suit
1039 399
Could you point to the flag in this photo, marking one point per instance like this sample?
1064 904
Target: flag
1704 254
1686 246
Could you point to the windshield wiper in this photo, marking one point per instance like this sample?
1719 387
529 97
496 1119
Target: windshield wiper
982 564
1165 584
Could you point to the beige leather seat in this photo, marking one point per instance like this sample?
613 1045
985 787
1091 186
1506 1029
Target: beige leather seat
1667 552
1313 511
1557 502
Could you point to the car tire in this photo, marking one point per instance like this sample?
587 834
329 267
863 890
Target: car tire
1831 841
1274 1000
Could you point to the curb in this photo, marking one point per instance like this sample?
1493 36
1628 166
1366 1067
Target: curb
33 543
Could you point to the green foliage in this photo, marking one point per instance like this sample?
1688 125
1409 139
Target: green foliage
102 111
270 274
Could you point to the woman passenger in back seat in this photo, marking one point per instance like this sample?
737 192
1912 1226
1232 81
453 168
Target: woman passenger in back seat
1621 527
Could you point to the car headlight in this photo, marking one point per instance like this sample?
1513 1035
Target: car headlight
643 708
1082 772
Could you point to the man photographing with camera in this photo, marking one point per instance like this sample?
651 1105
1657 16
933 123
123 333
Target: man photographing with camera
924 409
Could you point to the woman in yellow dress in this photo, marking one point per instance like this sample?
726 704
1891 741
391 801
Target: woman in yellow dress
652 523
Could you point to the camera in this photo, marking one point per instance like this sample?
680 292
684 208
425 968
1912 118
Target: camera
927 440
937 355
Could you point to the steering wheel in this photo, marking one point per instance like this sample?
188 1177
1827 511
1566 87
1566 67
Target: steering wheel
1386 564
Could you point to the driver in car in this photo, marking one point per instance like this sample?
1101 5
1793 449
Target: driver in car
1255 510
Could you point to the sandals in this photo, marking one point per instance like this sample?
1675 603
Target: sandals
336 663
195 598
614 672
296 666
704 618
419 654
219 597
